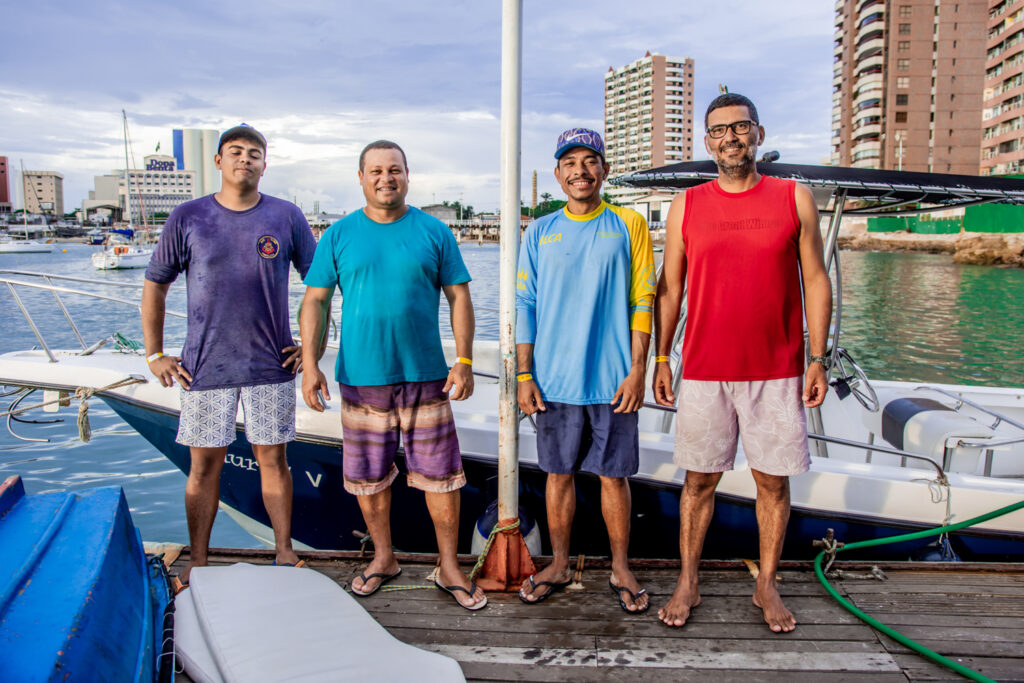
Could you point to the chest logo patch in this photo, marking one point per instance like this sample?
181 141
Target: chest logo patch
267 246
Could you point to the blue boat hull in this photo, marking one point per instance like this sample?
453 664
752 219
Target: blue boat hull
79 600
326 517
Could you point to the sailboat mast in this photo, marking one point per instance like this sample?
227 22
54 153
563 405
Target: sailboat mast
127 171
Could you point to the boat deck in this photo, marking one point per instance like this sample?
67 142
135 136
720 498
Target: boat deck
971 613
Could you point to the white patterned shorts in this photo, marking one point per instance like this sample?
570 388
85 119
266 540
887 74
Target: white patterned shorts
208 417
768 415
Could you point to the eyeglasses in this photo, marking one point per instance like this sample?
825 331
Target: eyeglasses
738 127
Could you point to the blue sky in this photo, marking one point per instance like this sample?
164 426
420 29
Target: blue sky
321 79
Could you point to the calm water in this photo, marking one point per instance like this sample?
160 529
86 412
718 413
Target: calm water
913 317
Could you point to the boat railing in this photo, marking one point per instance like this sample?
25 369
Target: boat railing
56 290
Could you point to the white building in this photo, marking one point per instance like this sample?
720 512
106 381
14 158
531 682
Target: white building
157 189
194 150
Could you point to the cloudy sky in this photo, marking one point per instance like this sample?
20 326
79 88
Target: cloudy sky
322 78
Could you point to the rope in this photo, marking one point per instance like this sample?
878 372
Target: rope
487 546
879 626
83 394
125 343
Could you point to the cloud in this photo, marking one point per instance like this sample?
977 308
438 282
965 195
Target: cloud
322 79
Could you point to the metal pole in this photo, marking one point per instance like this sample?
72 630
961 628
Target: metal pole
511 111
31 323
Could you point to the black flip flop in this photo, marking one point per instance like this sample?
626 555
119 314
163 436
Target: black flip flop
384 578
635 597
552 587
450 590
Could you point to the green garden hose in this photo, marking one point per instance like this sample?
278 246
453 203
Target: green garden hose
896 635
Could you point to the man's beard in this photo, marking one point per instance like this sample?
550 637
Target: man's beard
740 168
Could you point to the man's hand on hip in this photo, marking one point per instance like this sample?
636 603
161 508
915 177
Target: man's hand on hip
314 386
293 357
630 395
167 369
459 386
815 385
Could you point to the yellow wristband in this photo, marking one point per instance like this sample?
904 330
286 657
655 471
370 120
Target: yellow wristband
153 357
524 377
661 359
464 361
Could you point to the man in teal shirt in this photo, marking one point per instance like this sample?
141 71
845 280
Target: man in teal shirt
391 262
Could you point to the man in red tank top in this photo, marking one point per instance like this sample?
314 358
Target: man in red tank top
742 245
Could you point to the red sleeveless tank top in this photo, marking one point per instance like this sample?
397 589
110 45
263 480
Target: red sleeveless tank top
744 305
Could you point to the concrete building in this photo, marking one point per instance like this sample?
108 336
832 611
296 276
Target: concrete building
104 199
194 150
44 192
441 212
648 113
5 187
156 189
907 84
1002 143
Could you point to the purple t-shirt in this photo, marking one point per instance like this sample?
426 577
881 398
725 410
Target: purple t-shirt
236 265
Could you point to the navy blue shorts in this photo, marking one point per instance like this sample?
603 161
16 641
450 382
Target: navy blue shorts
592 438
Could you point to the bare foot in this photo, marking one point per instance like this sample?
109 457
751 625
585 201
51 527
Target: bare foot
767 599
679 607
455 577
623 578
379 565
553 573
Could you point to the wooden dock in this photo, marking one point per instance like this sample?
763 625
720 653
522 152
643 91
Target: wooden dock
971 613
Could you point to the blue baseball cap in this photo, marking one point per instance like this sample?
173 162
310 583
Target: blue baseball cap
579 137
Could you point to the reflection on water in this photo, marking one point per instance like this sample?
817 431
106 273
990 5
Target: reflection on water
906 316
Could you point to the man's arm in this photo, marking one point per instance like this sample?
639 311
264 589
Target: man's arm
817 294
460 377
527 392
669 299
630 394
166 368
316 304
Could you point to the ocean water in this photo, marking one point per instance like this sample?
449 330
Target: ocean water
915 317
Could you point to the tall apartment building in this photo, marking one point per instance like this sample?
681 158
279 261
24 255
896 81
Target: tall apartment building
907 84
44 192
194 150
5 187
648 113
1002 144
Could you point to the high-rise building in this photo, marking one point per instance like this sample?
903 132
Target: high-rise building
907 84
156 189
648 113
194 150
1002 143
5 187
44 192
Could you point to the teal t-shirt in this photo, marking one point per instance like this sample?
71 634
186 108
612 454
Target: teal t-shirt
390 276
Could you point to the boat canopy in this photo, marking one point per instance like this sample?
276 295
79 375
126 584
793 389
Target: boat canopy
878 191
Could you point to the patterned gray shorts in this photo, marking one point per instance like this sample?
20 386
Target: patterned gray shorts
768 415
208 417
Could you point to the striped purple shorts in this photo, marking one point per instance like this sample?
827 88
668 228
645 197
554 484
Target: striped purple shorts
372 419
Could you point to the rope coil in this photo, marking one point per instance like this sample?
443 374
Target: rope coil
83 394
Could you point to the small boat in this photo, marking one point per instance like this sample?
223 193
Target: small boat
121 252
9 245
79 599
96 237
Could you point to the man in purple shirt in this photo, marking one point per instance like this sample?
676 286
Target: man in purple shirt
236 248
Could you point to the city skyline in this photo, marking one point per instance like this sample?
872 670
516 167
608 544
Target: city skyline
321 83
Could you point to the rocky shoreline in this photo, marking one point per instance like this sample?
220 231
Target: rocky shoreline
984 249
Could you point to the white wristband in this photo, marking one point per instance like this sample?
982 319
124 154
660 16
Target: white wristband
150 359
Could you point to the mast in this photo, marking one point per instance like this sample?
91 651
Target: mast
127 172
24 199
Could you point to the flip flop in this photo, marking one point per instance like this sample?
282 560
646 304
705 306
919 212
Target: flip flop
384 578
450 590
177 585
297 565
552 587
635 597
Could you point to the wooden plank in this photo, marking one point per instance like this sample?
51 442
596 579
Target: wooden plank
660 658
917 668
528 672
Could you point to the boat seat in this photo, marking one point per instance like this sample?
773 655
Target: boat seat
246 622
918 424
